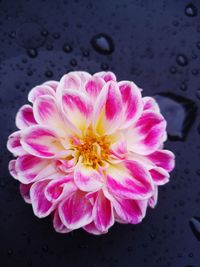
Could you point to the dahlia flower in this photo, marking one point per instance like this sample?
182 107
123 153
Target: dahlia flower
90 152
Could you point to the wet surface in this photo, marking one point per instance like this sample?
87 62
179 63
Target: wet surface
157 45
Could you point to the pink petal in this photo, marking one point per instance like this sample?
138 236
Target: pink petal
92 229
70 81
12 168
76 211
52 84
59 188
78 108
14 144
129 210
148 134
40 90
129 180
67 165
87 178
28 168
93 86
41 206
83 75
150 104
47 113
58 225
132 102
163 158
103 213
154 199
41 142
108 109
106 76
24 117
25 192
119 148
159 176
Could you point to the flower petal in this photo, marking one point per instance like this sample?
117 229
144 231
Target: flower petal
159 176
46 112
41 142
108 109
87 178
92 229
103 213
40 90
154 199
70 81
59 188
132 102
78 108
119 148
76 211
58 225
12 168
129 180
41 206
150 104
52 84
14 144
129 210
106 76
28 168
25 192
93 86
24 117
148 134
83 75
163 158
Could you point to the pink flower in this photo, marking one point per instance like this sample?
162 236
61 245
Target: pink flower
90 152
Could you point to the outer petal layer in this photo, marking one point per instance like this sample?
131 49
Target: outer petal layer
76 211
41 142
129 180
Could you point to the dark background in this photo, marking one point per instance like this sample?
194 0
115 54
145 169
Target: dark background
157 45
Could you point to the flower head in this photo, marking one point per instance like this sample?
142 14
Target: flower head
90 152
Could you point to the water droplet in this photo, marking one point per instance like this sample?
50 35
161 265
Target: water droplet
2 183
67 48
195 72
173 69
10 252
102 43
179 112
183 86
12 35
32 52
56 35
44 33
198 93
85 53
29 35
191 10
195 226
198 172
45 248
73 62
49 74
198 45
181 60
49 47
104 66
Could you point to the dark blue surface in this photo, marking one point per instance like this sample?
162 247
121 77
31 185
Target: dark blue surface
157 45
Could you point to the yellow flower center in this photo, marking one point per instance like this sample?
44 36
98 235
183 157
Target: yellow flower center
93 149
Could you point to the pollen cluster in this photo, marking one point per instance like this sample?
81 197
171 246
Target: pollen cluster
93 149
